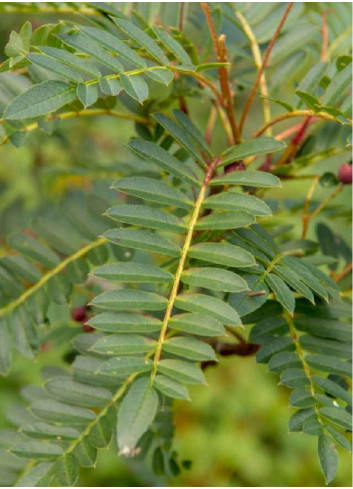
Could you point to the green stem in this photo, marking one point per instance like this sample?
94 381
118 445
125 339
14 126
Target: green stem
51 273
180 269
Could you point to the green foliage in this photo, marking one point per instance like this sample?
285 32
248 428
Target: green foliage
200 262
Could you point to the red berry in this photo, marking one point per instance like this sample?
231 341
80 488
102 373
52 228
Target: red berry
79 314
345 173
235 166
87 328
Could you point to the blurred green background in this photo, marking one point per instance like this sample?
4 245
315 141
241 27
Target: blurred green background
235 430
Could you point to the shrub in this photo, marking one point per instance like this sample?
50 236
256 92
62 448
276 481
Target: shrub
203 259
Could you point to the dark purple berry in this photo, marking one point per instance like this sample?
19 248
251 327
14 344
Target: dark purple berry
79 314
235 166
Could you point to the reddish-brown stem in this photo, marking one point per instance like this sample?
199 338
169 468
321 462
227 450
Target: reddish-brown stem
221 53
344 272
263 66
293 146
324 34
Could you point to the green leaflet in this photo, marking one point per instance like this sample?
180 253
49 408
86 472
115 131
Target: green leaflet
137 411
189 348
122 344
151 152
144 216
268 327
276 345
339 438
225 220
120 322
210 305
326 347
294 377
143 240
47 431
248 178
173 46
124 366
332 388
133 272
192 130
338 416
230 201
22 268
76 393
182 371
301 398
283 360
325 328
153 190
329 364
87 94
294 281
160 75
197 324
282 291
312 79
245 303
222 254
66 470
110 86
180 134
85 453
101 433
328 457
55 66
214 279
135 86
81 64
41 99
306 276
111 42
87 369
338 86
171 388
253 147
83 43
298 419
37 450
38 476
58 412
129 300
141 38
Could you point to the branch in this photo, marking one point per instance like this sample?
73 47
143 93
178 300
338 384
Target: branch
262 68
293 146
290 115
46 277
79 113
324 34
221 53
306 217
258 63
344 272
327 201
